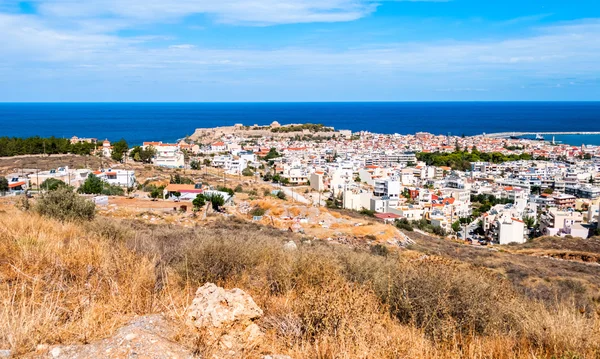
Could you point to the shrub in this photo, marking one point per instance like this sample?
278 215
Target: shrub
439 231
380 250
63 204
238 188
112 190
403 223
281 195
367 212
227 190
257 212
52 184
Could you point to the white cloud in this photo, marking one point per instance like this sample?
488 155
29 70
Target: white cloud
259 12
182 46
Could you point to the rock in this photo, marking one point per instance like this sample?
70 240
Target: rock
147 337
226 317
5 353
55 352
276 356
290 246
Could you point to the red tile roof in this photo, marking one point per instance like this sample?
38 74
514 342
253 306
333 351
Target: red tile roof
16 184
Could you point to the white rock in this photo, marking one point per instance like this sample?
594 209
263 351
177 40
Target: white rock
290 246
226 316
55 352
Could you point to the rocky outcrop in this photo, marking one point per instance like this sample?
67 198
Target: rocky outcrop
225 319
147 337
222 319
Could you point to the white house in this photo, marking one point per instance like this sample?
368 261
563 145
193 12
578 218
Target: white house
510 230
218 147
388 188
167 155
122 178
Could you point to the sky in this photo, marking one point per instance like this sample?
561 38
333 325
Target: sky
299 50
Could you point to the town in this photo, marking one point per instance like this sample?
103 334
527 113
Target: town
483 190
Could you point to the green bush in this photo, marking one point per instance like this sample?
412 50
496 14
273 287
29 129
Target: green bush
403 223
63 204
216 200
199 201
257 212
281 195
52 184
227 190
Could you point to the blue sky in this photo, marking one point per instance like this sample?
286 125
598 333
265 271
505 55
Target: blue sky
299 50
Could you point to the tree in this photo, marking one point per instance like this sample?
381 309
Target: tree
92 185
195 165
529 221
456 226
548 191
177 194
155 194
144 155
272 154
3 185
178 179
199 201
216 200
118 149
52 184
206 162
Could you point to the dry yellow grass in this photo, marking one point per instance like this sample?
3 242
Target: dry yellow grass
67 283
60 284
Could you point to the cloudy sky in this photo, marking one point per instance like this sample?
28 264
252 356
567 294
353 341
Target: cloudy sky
299 50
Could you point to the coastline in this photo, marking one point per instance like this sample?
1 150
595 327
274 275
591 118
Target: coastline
167 122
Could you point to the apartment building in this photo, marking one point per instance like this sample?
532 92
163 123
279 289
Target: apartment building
559 222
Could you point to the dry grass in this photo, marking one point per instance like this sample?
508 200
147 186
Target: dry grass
10 164
66 283
59 284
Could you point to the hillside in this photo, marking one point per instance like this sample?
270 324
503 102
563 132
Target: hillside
75 283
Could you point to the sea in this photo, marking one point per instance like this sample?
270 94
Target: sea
167 122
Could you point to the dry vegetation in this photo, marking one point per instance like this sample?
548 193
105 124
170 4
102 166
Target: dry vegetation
41 162
69 282
540 269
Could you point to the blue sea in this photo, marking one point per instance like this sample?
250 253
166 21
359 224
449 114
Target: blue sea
138 122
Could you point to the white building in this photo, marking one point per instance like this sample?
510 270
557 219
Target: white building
167 155
122 178
510 230
388 188
316 181
106 148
